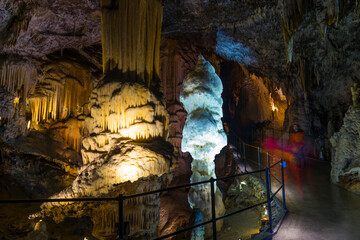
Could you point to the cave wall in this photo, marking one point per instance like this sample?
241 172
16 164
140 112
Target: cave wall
51 58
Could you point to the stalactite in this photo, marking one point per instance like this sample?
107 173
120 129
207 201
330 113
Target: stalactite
71 131
129 109
131 37
292 12
62 92
18 78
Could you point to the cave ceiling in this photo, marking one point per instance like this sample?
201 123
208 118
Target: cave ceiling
324 37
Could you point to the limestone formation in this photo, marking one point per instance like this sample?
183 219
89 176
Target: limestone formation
345 161
131 31
130 109
355 91
203 134
120 167
124 149
177 59
62 92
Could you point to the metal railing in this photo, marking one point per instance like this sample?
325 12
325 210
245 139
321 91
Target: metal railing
123 228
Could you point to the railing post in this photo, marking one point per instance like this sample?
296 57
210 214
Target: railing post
244 156
121 217
259 160
268 165
267 173
283 183
212 182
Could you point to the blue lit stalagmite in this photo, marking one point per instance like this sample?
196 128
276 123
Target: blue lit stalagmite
203 134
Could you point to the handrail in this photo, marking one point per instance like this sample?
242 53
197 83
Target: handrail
241 210
166 189
276 192
275 164
238 175
58 200
121 198
124 197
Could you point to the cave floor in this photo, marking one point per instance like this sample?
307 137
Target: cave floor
317 208
240 226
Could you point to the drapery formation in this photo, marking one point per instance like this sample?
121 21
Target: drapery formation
62 92
17 78
131 31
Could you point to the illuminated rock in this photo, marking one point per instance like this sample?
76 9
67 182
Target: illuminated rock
131 33
203 134
113 162
129 109
235 51
119 167
62 92
124 148
71 131
345 161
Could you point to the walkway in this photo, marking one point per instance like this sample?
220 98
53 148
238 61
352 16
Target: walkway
318 209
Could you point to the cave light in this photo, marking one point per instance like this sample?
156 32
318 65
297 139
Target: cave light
273 107
127 173
16 101
281 94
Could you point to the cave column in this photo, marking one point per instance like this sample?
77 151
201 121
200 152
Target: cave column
203 136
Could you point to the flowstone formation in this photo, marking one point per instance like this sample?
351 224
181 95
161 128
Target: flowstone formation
345 152
124 149
203 134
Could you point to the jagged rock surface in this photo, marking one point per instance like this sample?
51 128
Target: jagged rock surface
346 156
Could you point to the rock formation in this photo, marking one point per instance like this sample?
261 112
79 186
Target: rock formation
346 156
300 57
124 151
203 134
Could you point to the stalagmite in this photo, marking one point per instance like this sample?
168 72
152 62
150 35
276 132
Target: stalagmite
124 151
203 134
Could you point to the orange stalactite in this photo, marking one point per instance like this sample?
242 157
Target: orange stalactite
131 37
57 97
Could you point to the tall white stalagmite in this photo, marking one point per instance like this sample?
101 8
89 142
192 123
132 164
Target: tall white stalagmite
203 134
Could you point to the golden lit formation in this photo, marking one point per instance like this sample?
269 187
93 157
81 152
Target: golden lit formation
129 109
131 37
62 92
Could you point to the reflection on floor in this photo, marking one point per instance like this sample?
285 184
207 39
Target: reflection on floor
317 208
